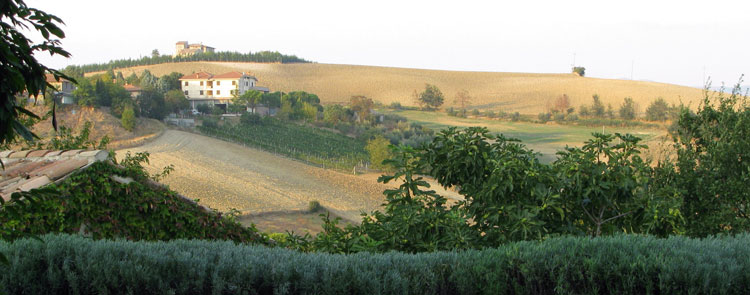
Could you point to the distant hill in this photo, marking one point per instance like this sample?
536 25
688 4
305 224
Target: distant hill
527 93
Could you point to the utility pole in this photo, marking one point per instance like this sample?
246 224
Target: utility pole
574 60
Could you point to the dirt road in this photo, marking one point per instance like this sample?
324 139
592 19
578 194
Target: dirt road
225 175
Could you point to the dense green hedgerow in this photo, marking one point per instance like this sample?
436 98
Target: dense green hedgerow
623 264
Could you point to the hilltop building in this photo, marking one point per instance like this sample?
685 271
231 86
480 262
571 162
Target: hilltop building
206 88
185 49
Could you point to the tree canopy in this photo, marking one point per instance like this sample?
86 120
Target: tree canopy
19 70
431 97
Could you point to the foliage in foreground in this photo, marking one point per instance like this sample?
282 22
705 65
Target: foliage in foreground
604 187
92 202
622 264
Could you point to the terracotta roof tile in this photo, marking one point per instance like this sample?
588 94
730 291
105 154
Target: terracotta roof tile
35 183
60 168
70 153
132 88
19 154
37 153
197 76
9 181
26 170
230 75
54 153
18 170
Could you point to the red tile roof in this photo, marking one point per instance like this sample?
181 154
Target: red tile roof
197 76
26 170
51 78
230 75
132 88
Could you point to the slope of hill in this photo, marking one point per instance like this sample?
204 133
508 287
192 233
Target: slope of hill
102 123
523 92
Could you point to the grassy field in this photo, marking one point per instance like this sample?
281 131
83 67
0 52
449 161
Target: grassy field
544 138
526 93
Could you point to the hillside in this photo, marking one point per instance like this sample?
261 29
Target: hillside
102 123
527 93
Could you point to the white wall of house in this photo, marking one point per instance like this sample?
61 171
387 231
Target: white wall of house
215 91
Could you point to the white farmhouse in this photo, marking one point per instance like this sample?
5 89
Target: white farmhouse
205 88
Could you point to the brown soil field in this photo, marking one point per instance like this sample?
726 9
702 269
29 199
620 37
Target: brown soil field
527 93
226 176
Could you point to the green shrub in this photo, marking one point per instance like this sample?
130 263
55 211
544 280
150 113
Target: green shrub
93 202
128 119
313 206
627 264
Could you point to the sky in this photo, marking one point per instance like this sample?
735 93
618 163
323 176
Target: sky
678 42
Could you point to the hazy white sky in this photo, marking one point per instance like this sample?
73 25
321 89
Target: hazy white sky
665 41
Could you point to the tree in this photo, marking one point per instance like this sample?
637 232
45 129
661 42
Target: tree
658 110
203 108
132 79
605 184
250 98
176 101
463 99
155 53
379 151
362 106
151 104
431 97
562 103
335 113
171 81
583 110
84 93
128 119
713 160
271 100
19 69
580 71
628 109
597 108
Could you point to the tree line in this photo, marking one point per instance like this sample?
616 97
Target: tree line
227 56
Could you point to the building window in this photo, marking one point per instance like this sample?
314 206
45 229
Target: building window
201 90
210 93
218 83
246 84
234 83
186 83
218 92
186 93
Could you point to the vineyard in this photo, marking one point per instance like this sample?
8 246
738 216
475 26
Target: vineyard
312 145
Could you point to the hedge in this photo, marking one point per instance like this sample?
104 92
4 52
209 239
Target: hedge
627 264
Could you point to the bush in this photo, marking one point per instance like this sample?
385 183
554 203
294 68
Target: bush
475 112
251 119
128 119
544 117
627 264
378 150
313 206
